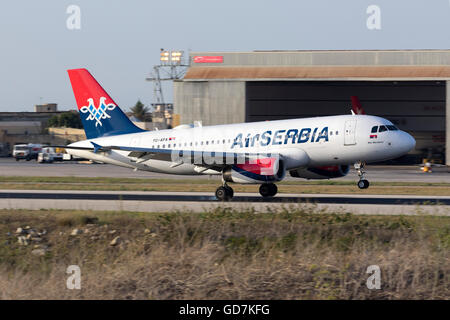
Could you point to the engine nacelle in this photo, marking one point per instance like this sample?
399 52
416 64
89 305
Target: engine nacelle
258 171
325 172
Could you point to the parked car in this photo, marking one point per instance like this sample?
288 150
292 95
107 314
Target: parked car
48 154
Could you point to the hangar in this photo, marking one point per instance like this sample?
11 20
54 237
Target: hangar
409 87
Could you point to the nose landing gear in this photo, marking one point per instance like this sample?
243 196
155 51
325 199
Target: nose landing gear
362 183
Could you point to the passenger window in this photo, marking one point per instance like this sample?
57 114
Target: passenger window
382 129
392 128
374 129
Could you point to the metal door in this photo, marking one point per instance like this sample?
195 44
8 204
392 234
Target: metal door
349 133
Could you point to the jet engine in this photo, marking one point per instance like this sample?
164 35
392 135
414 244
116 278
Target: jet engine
256 171
324 172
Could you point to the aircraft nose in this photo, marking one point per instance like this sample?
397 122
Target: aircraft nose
408 142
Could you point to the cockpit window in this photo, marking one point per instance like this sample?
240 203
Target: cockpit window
374 129
382 129
392 128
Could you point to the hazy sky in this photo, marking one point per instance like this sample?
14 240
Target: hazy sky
119 41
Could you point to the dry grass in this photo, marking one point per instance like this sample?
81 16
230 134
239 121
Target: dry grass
297 254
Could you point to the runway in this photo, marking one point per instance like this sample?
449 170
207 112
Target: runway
9 167
199 202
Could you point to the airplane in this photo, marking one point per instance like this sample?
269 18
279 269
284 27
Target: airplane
244 153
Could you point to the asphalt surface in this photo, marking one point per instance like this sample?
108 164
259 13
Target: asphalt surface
9 167
206 197
201 202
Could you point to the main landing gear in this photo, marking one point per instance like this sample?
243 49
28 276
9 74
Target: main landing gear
362 183
268 190
225 192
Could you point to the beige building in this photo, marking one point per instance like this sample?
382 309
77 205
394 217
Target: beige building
49 107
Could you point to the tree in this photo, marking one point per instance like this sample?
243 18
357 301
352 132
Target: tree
141 112
66 119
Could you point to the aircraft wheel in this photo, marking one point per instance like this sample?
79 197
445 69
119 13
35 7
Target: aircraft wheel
363 184
224 194
268 190
273 189
230 191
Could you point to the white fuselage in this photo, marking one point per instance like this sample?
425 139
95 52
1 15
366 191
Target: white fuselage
328 140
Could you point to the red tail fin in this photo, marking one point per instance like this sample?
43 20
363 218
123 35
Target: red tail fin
85 86
356 106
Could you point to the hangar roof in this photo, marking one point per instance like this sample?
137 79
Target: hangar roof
319 72
339 64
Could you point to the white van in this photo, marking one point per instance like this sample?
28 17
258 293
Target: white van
22 151
26 151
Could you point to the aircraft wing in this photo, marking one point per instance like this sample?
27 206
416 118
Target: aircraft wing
209 159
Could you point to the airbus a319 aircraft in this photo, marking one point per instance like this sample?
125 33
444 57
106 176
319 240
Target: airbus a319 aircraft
253 153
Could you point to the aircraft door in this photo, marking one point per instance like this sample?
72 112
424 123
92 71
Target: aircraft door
350 133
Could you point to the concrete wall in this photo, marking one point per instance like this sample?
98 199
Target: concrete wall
217 102
67 134
21 127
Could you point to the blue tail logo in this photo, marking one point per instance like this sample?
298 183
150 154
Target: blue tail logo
98 114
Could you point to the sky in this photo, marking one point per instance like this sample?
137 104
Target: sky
120 41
